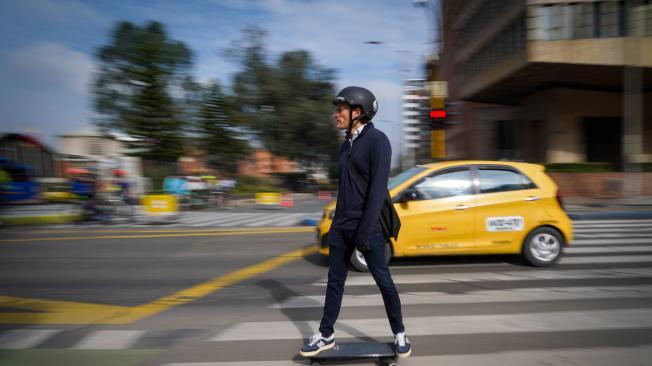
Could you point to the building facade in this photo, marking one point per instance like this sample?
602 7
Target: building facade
416 133
39 160
550 81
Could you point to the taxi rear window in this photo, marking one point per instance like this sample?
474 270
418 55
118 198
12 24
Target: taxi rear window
502 180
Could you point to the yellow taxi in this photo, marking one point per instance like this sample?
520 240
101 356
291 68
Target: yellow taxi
472 207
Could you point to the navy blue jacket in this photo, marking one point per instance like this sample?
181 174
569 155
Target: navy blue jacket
357 209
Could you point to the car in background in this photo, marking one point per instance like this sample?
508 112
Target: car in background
472 207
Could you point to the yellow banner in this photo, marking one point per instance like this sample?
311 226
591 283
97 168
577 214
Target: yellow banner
268 198
159 204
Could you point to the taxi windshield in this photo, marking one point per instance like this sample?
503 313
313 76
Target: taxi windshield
396 180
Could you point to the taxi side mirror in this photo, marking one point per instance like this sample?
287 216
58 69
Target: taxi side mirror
407 196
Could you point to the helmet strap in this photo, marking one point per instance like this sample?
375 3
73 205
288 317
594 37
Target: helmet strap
349 134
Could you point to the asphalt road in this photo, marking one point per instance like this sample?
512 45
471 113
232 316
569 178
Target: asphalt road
215 296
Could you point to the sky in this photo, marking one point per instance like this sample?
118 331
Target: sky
47 50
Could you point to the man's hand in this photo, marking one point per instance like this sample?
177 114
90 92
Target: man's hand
363 242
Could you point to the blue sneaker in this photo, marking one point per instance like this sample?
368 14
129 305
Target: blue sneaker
316 344
402 345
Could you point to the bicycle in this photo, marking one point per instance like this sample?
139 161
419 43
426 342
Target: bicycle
222 200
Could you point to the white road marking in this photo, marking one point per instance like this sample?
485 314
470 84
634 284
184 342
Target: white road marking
448 325
481 296
110 339
25 338
534 274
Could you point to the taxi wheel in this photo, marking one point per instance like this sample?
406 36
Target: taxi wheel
359 263
543 247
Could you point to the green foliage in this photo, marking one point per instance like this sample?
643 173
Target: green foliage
132 88
249 184
288 103
217 136
156 173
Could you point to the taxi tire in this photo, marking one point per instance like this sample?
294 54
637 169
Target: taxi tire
361 266
527 243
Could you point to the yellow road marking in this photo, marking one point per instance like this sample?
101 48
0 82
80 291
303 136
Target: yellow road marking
57 312
213 233
162 230
67 312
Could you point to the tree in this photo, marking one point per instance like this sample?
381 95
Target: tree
217 136
288 103
139 70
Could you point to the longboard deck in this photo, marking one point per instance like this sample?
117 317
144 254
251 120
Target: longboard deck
357 350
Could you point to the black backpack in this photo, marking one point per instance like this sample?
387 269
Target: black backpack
389 219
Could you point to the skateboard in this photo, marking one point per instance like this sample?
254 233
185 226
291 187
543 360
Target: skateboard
383 352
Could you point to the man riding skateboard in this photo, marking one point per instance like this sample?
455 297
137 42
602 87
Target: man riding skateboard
356 223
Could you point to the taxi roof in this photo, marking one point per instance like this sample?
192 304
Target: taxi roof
452 163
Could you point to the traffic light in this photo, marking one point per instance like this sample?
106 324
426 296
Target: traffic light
438 94
437 118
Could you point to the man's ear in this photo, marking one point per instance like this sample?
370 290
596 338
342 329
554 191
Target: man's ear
357 112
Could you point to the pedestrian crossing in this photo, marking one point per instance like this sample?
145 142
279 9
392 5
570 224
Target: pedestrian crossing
211 219
593 308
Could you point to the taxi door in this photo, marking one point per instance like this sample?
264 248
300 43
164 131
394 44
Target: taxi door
437 214
508 206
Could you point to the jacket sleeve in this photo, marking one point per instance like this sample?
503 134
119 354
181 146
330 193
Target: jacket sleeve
380 160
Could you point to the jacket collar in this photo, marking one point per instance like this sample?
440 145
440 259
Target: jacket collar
366 128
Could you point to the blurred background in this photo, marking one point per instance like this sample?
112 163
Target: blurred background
129 95
163 165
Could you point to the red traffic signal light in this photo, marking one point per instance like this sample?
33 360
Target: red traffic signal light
438 113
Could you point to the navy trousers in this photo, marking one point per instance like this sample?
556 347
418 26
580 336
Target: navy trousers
341 246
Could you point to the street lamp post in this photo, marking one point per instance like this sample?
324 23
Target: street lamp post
433 16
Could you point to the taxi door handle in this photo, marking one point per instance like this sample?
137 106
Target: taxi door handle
462 207
532 198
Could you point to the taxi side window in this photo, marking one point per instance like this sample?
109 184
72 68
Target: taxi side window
502 180
444 185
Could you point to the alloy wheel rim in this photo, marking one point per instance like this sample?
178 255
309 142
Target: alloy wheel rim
545 247
360 257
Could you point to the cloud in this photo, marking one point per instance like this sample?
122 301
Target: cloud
49 65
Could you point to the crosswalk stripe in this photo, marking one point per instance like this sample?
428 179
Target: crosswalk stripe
236 220
612 241
595 356
585 320
535 274
25 338
612 222
252 220
615 238
607 259
615 225
243 363
285 220
218 218
614 249
480 296
110 339
224 220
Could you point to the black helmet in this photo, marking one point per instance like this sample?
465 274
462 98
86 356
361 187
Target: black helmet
356 96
